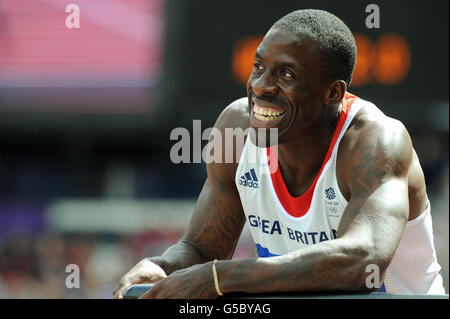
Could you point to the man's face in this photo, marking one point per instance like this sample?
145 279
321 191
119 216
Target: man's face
285 87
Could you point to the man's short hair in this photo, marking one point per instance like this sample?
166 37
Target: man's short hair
331 36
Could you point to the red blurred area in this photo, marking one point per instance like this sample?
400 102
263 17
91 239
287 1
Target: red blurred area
118 42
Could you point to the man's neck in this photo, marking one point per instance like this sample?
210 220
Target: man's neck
300 160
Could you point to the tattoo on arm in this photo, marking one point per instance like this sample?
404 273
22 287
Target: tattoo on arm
217 222
365 176
213 231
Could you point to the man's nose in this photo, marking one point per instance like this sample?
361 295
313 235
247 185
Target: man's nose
265 84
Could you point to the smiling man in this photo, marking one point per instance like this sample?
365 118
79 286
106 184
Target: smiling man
348 193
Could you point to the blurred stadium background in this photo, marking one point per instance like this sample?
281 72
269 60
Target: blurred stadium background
86 114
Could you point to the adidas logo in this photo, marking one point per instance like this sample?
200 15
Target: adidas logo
249 179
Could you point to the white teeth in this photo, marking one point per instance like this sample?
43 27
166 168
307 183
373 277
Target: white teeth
260 117
266 115
264 118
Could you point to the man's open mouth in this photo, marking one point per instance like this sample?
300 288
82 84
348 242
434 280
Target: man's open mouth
266 114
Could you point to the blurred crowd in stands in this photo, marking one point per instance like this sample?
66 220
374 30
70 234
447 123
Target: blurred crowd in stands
35 265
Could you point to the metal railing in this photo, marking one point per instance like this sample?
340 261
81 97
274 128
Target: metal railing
135 291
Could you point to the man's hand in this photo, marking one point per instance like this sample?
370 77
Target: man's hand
195 282
145 272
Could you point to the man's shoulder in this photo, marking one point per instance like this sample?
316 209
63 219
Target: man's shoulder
371 124
376 135
378 145
225 151
235 115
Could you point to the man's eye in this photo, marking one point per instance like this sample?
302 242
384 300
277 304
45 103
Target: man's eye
258 66
286 74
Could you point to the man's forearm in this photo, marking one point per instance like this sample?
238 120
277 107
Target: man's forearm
326 266
179 256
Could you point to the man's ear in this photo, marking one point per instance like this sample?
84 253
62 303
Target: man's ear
335 92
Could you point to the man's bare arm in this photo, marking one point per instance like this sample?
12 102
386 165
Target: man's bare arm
218 217
213 231
215 226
